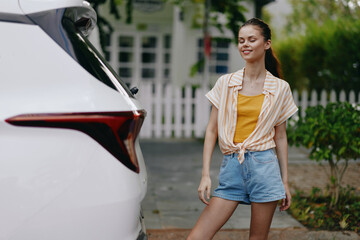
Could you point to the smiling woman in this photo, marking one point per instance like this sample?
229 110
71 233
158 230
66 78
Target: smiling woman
255 33
251 44
249 112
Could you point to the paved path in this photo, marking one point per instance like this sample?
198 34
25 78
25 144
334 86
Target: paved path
174 171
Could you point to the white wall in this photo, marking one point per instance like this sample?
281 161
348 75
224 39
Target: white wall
235 60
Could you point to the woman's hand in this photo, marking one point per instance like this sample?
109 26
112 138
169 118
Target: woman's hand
204 189
285 204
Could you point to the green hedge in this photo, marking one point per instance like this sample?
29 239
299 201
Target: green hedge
325 57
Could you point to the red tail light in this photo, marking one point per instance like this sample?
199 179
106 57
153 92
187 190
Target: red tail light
115 131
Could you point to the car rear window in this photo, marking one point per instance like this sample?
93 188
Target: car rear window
64 32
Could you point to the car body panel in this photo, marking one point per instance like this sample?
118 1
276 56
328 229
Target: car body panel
10 7
32 6
59 183
46 82
24 7
42 188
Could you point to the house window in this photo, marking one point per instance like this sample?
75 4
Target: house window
148 57
126 57
141 57
219 58
167 57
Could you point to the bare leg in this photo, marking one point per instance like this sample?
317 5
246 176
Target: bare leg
261 217
212 218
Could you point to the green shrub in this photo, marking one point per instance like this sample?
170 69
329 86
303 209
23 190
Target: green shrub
288 54
333 134
324 57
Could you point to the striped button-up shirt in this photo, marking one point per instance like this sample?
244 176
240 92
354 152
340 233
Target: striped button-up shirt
277 107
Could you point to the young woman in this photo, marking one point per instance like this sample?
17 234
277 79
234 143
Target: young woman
249 112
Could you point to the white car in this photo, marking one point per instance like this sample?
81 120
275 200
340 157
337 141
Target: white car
70 163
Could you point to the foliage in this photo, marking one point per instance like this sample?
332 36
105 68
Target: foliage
325 57
333 134
321 52
233 12
288 52
314 211
308 12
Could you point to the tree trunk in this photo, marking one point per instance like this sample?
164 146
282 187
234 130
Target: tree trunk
336 175
333 183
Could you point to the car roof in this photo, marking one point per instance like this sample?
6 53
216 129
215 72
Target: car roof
25 7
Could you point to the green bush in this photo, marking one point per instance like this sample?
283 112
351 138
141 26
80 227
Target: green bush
324 57
288 54
333 134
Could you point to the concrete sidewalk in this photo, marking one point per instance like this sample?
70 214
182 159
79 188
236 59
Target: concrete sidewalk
174 171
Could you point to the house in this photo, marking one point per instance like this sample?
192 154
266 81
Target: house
163 43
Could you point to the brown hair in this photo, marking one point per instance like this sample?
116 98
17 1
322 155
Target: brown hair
272 64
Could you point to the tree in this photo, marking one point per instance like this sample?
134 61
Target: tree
308 12
320 51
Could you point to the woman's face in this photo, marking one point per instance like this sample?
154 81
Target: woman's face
252 45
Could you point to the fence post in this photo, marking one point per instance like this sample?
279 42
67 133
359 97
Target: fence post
198 112
178 112
202 110
296 100
145 97
168 113
158 110
352 97
323 99
342 97
332 96
313 100
188 112
304 102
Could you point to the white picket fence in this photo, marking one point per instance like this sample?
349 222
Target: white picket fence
175 112
304 103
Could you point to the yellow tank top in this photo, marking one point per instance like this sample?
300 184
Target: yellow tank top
248 111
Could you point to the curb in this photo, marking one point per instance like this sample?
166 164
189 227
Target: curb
243 234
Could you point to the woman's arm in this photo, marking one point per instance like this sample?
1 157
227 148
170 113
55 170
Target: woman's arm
209 145
280 139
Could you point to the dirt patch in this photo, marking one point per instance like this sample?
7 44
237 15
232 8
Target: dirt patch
305 176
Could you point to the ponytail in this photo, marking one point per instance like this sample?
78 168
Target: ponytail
272 64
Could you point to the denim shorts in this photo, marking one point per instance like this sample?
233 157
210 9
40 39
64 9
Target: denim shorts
257 179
